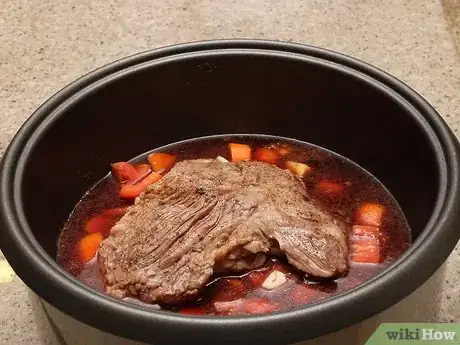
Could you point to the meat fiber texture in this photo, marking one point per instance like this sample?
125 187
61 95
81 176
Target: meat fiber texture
206 217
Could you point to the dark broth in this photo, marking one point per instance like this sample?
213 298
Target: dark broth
225 295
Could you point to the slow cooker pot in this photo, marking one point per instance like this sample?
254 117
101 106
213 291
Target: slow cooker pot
191 90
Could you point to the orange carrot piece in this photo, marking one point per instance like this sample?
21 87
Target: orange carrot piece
131 191
239 152
297 168
329 188
161 161
370 214
88 246
265 155
151 178
105 221
255 305
124 172
143 169
366 231
365 244
365 250
96 224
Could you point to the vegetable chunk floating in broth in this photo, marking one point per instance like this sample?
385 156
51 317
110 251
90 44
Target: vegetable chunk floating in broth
233 226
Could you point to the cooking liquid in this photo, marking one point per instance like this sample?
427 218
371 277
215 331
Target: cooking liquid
359 187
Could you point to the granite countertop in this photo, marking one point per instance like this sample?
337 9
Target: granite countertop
47 44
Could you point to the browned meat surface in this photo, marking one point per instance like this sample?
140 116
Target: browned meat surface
206 216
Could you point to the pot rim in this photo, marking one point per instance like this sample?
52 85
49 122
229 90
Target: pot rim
56 286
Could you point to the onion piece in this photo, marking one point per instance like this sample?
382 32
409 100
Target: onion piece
222 159
274 280
299 169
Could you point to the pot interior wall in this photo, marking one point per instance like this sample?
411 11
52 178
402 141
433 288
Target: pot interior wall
157 105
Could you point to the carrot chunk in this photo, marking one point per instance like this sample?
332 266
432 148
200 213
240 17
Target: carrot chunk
370 214
329 188
105 221
97 224
88 246
365 244
151 178
299 169
161 161
239 152
255 305
365 230
365 250
143 169
124 172
265 155
131 191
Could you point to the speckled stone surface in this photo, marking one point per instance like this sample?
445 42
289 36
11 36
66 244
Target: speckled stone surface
452 14
47 44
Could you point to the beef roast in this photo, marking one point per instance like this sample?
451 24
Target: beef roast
208 216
